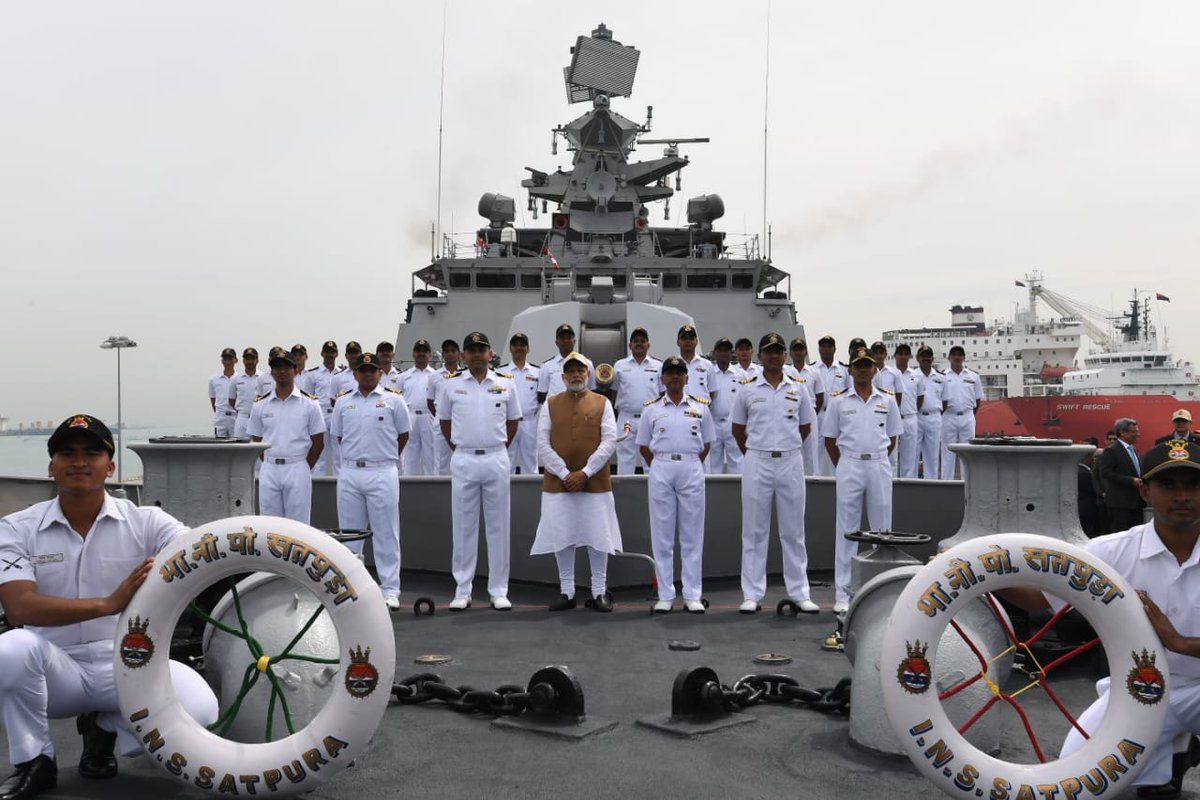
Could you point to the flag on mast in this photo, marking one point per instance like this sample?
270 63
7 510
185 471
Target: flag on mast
1163 297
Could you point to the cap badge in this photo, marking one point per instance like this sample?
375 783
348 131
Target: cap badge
78 422
1178 451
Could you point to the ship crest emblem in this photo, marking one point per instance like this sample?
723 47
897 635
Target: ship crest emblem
361 675
78 422
1145 682
136 646
914 673
1178 450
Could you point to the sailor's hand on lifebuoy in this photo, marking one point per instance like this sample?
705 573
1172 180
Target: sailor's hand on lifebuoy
126 588
1162 624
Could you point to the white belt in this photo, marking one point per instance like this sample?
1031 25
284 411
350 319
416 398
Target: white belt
677 456
480 451
291 460
865 456
774 453
417 411
958 413
931 413
364 464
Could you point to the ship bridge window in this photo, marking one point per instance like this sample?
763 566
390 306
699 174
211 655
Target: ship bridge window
531 280
706 280
741 280
672 280
495 280
460 279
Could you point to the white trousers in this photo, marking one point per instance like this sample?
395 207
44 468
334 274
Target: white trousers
477 480
907 447
676 491
441 451
929 432
1183 714
724 457
418 455
956 427
224 421
285 490
813 449
767 480
522 452
859 480
371 495
597 560
241 425
826 468
628 455
40 681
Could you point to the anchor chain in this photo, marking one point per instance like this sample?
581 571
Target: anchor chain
551 691
699 692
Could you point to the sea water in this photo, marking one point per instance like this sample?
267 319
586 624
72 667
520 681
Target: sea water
26 456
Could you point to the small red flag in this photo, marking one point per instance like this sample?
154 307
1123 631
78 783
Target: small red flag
1162 297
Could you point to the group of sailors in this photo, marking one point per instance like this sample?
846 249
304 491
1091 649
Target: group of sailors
744 410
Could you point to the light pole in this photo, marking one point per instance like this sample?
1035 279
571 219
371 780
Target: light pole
119 343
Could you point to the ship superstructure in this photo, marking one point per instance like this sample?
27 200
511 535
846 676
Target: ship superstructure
598 263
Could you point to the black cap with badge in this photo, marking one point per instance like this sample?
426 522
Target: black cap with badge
368 360
1169 455
330 346
770 341
279 355
723 342
859 355
674 364
687 332
229 352
84 424
422 344
476 339
519 338
564 329
250 352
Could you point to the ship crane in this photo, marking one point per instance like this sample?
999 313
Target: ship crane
1070 308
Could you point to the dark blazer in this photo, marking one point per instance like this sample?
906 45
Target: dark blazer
1089 511
1118 472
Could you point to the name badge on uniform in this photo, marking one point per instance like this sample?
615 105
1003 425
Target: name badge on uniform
46 558
381 403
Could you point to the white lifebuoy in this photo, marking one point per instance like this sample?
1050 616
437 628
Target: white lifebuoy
1137 702
338 732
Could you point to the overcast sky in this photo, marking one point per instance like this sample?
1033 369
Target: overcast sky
196 175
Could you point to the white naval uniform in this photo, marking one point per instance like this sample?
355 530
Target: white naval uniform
888 378
725 457
634 384
65 670
321 384
578 519
285 479
676 434
243 391
862 430
223 415
811 380
391 380
907 451
961 394
478 412
433 391
700 371
835 377
522 453
550 377
773 470
1138 554
930 428
368 488
418 457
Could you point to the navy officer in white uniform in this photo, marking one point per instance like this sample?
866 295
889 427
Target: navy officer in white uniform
522 453
675 437
811 380
550 379
962 391
433 396
245 388
700 369
637 378
479 412
771 418
290 422
372 426
725 456
860 433
70 566
929 428
218 394
414 385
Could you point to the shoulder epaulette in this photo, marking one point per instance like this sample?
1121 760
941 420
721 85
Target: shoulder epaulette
504 374
312 369
652 401
393 391
838 393
888 391
751 379
343 392
309 395
840 363
454 374
797 378
703 400
531 364
258 397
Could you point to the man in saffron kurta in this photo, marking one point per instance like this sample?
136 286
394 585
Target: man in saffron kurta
576 437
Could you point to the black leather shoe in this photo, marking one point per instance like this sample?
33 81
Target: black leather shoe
97 760
30 778
562 603
603 603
